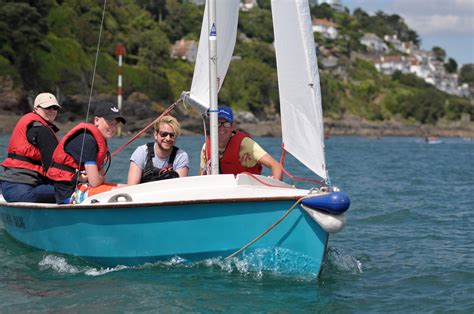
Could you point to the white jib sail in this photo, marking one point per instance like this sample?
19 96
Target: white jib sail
227 14
298 82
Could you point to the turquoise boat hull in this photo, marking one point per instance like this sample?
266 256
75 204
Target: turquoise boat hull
135 234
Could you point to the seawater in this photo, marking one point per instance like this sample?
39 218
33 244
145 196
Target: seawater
408 246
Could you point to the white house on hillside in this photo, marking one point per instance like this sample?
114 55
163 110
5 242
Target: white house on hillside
325 27
374 43
389 64
395 42
246 5
424 66
422 70
409 47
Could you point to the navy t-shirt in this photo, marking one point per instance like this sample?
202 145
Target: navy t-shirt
81 142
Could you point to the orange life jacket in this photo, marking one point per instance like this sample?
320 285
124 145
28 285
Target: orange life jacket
230 163
64 167
21 153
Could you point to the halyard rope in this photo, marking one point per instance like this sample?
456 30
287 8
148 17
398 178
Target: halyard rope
276 223
263 182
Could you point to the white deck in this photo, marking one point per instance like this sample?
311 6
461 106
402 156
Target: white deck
201 188
212 188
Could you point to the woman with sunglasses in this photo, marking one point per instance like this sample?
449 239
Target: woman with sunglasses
30 152
160 159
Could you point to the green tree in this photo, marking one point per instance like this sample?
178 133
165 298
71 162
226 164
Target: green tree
425 106
382 24
65 65
255 49
264 4
451 66
466 75
362 18
363 70
332 94
440 53
158 8
323 11
154 49
183 20
409 79
22 30
456 106
250 85
179 77
257 23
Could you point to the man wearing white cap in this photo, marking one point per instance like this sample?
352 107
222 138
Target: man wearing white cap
30 152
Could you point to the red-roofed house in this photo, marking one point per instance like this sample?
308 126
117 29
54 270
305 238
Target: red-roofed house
389 64
325 27
184 49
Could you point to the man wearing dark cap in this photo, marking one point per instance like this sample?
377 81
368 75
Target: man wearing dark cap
237 151
79 160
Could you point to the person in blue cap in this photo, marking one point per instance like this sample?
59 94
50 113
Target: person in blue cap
237 151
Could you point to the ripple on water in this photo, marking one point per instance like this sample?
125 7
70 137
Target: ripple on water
255 263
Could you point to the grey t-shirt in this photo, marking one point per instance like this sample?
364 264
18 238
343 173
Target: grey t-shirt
139 157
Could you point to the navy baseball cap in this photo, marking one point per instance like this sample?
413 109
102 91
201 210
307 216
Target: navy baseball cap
225 113
108 111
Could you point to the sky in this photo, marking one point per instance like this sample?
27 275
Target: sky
448 24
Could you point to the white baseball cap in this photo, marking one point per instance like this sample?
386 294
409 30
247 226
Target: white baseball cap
46 100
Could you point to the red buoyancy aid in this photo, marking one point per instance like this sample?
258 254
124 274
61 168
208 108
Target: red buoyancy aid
230 163
64 167
21 153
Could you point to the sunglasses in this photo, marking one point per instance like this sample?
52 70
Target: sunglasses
55 108
225 124
164 134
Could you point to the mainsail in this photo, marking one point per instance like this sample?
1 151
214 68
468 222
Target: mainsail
298 81
227 14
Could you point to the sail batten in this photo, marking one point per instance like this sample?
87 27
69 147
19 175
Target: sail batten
298 82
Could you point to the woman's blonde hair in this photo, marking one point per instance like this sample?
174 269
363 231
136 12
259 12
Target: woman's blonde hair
174 124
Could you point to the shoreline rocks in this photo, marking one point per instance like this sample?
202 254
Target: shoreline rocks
349 126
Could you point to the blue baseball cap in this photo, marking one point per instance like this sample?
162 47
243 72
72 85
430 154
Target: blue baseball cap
225 113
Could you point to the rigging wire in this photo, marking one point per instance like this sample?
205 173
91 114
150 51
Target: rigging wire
92 84
282 161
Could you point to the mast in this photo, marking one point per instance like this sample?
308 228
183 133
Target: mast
213 88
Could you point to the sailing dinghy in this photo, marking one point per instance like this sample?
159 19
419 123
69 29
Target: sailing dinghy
222 216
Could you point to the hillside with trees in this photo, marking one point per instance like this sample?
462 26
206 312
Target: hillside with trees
50 45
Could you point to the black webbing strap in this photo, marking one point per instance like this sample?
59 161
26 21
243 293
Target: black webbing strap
172 156
24 158
63 167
